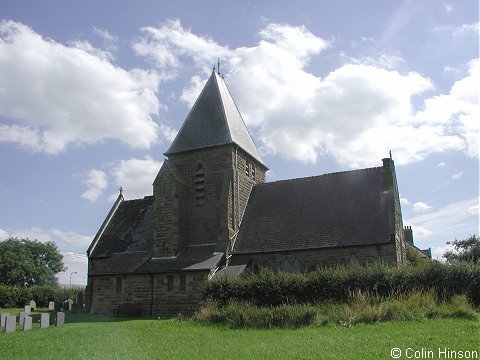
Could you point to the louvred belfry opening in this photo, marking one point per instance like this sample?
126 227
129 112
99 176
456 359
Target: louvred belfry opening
199 183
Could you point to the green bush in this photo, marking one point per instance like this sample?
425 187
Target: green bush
12 296
269 288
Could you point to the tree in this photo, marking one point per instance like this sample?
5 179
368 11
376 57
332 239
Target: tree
464 250
25 262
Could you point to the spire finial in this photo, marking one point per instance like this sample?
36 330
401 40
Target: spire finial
390 152
121 190
218 66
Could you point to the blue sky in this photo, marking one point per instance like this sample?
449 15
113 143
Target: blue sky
92 94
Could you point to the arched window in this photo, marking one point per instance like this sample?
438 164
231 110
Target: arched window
199 183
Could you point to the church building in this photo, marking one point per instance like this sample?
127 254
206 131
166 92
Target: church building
212 214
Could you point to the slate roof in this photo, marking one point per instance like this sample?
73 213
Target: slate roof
192 258
130 229
235 267
122 263
340 209
214 120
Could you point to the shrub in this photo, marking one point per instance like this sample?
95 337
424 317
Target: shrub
12 296
270 288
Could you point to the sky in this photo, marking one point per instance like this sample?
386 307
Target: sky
92 94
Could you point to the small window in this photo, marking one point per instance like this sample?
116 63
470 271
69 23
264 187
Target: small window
253 172
183 282
170 283
247 168
119 285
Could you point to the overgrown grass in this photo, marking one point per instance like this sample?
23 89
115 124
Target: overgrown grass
99 337
241 315
360 308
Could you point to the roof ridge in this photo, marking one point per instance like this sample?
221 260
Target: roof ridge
225 119
322 175
147 197
241 118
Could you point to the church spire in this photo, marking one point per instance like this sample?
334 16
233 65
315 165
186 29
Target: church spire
214 120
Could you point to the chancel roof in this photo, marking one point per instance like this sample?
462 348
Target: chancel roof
214 120
341 209
130 229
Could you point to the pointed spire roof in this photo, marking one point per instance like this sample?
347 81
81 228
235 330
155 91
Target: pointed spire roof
214 120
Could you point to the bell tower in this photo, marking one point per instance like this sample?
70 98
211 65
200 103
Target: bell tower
202 189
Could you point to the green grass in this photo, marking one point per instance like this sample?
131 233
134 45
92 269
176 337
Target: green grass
96 337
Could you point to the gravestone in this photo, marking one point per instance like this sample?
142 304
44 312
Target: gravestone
3 318
44 320
33 305
10 323
51 305
21 318
28 309
79 298
27 323
60 319
67 305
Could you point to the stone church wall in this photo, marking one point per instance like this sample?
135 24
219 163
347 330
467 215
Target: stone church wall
164 294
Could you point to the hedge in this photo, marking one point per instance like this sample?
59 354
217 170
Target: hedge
14 297
272 288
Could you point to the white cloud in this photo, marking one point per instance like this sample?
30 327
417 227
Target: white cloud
448 7
109 40
167 45
438 251
474 209
4 235
421 231
458 111
33 233
58 95
96 181
442 164
135 176
357 113
60 237
71 238
457 176
466 29
404 201
451 221
421 206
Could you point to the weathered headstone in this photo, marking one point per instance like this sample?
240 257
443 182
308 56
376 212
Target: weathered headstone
28 309
33 305
60 319
21 318
51 305
67 305
10 323
3 318
44 320
27 323
79 298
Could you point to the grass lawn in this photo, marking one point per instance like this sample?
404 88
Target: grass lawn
96 337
